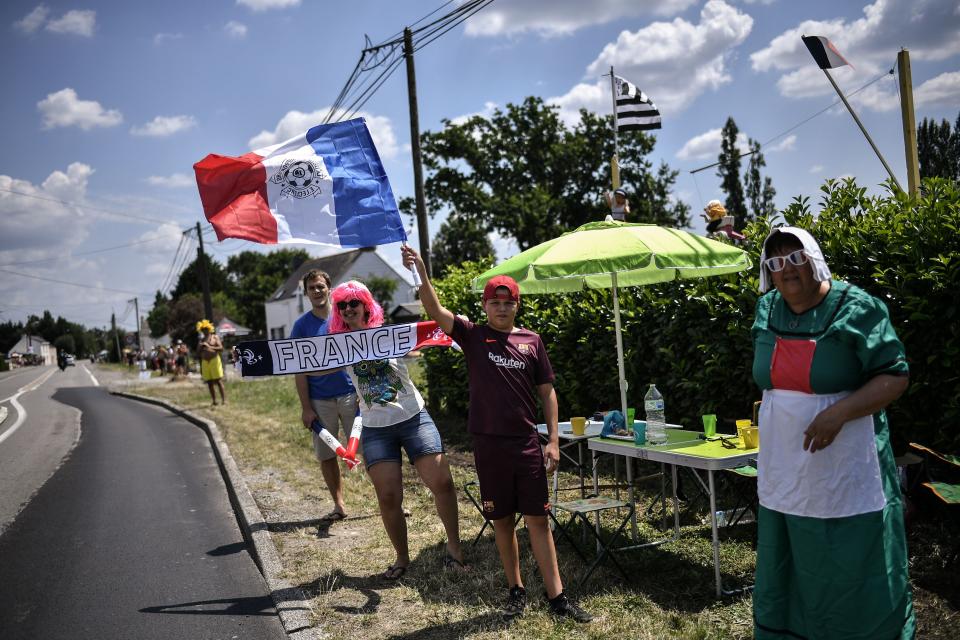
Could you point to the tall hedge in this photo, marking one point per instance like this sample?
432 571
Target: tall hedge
692 337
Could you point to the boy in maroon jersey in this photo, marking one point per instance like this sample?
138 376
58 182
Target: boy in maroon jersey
508 369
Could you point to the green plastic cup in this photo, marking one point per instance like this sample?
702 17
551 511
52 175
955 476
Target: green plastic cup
709 425
631 416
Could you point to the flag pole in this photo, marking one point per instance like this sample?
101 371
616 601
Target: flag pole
614 161
862 128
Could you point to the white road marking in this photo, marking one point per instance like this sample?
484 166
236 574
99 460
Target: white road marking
21 412
95 383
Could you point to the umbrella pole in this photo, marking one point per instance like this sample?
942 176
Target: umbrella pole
620 370
623 397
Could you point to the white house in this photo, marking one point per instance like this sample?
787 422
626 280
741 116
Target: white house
33 348
287 303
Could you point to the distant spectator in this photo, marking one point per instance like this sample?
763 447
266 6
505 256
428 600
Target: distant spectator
618 203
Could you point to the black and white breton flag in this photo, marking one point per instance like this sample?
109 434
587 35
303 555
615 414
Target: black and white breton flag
635 111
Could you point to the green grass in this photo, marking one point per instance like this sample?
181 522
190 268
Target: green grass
669 595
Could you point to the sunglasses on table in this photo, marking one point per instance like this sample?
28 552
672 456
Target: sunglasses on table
353 304
777 263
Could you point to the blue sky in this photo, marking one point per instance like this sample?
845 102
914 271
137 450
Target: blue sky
107 104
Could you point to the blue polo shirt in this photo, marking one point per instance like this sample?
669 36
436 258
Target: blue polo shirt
333 385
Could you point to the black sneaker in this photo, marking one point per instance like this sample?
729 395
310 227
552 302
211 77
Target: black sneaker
563 608
516 603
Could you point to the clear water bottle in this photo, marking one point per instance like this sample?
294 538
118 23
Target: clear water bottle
656 421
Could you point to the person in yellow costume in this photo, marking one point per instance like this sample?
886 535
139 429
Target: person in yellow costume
211 366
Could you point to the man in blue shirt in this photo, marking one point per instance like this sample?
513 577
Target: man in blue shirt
330 398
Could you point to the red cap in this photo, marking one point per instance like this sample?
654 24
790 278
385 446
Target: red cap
494 283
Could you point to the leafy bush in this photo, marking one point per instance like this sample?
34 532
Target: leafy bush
692 337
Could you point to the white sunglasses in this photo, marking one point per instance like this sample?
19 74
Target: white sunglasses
777 263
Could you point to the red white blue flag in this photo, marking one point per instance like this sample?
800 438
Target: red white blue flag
326 186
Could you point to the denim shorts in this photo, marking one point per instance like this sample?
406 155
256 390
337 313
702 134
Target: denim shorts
418 436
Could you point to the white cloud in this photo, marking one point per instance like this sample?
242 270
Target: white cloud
707 145
942 90
173 181
33 20
235 29
163 126
35 227
673 62
563 17
77 22
787 144
160 38
266 5
928 28
817 168
64 109
486 112
294 123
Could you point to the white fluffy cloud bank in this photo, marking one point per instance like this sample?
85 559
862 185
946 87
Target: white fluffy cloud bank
672 62
267 5
930 29
65 109
79 23
563 17
294 123
163 126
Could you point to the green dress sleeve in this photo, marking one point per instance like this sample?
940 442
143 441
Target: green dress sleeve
876 343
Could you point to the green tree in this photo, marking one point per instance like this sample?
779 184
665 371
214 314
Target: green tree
185 312
729 172
460 239
189 280
10 333
255 277
66 344
524 173
759 190
381 288
159 314
938 148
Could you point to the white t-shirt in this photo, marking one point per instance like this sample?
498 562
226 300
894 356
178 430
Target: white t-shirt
387 396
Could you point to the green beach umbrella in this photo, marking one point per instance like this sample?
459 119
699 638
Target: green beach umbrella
607 255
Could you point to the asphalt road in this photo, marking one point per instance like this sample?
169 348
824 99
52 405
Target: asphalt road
133 536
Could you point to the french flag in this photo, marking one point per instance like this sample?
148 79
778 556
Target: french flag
326 186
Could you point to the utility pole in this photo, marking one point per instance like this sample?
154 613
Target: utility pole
204 279
136 310
116 337
909 122
415 150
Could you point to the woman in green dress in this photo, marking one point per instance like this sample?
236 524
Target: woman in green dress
831 553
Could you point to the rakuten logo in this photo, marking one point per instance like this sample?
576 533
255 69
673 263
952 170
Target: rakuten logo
510 363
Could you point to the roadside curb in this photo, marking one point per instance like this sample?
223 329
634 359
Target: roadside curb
291 603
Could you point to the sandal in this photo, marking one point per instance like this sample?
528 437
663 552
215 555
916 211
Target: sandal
334 516
394 572
449 563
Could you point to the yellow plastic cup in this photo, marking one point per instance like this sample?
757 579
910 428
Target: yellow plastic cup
578 425
751 437
742 427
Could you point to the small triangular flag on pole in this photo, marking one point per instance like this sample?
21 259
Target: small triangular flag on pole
824 53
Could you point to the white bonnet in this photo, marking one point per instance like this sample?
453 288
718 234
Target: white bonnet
821 271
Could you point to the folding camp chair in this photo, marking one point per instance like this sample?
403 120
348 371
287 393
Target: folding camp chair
939 475
938 484
579 510
476 503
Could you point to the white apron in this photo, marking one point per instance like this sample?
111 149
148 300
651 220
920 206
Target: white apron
838 481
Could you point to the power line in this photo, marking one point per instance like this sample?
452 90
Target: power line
372 57
83 253
85 206
802 122
72 284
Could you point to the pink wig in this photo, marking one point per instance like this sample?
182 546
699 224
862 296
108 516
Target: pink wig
353 290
